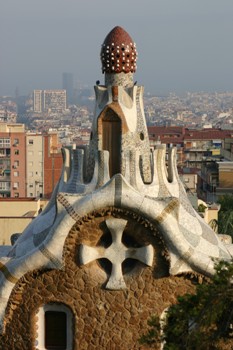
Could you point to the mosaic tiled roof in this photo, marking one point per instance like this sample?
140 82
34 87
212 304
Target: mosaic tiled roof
118 53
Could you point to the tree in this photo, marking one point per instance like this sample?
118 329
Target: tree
225 215
202 321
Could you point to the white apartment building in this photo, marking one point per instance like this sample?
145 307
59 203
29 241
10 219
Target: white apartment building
34 165
49 100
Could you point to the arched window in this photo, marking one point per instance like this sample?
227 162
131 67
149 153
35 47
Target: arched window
54 327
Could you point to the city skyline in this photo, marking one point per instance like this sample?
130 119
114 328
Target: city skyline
182 46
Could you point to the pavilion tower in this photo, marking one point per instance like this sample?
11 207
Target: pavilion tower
119 125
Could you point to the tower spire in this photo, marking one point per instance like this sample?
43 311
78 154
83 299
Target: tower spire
118 57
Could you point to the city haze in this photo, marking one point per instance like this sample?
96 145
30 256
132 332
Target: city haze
182 45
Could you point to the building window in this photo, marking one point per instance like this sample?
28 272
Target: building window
5 186
16 142
16 152
30 142
30 163
16 195
16 173
5 143
16 164
55 330
15 185
54 327
30 153
30 173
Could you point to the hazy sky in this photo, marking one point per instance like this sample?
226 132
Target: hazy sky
183 45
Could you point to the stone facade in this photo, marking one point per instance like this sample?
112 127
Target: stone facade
101 319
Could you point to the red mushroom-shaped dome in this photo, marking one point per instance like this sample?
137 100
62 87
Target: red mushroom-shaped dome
118 52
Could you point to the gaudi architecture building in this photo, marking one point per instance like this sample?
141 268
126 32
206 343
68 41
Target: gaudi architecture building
118 241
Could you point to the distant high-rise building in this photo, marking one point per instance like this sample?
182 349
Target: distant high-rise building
37 101
68 85
54 100
49 100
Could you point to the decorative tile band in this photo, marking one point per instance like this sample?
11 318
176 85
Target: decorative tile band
68 207
7 274
168 210
50 256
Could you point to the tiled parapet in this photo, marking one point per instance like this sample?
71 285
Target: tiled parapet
72 178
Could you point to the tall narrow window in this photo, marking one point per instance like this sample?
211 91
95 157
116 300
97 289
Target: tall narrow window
55 327
55 330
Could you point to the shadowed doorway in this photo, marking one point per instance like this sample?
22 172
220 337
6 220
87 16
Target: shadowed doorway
111 131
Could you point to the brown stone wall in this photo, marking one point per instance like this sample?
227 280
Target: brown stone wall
103 319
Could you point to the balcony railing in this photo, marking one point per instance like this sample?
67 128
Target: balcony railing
5 178
5 145
5 155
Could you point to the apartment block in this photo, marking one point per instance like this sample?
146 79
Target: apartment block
49 101
34 165
193 146
215 179
53 163
30 163
12 160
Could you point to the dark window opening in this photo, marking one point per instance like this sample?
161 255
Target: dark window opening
55 330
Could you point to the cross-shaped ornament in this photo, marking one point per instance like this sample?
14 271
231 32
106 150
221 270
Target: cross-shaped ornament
116 253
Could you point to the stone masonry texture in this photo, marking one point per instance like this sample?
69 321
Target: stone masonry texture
102 319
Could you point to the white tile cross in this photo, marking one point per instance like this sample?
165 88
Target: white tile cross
116 253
